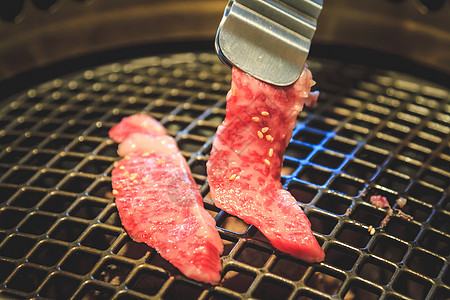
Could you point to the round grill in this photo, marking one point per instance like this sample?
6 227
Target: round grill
374 132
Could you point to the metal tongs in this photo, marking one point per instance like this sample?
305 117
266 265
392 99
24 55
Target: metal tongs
269 39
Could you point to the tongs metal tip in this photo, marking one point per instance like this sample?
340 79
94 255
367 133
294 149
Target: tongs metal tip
269 39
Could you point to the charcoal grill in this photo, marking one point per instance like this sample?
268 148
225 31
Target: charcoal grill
380 129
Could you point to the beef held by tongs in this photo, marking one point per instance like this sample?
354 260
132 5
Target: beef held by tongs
269 39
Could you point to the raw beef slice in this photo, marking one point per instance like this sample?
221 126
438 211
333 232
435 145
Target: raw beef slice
244 167
159 202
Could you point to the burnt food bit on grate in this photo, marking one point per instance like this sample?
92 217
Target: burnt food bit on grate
374 132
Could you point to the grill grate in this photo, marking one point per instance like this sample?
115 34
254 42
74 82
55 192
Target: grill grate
375 132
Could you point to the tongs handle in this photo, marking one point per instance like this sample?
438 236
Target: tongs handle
269 39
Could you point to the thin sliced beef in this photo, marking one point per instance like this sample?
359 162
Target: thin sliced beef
159 202
247 155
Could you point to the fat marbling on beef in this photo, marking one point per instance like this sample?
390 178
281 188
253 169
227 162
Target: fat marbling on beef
244 167
159 202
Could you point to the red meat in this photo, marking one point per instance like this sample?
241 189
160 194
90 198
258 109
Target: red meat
159 202
379 201
246 159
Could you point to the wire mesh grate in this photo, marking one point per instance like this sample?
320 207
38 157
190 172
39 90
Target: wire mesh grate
375 132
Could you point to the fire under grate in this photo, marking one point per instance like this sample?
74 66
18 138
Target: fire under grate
375 132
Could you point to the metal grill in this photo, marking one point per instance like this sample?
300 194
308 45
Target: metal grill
375 132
